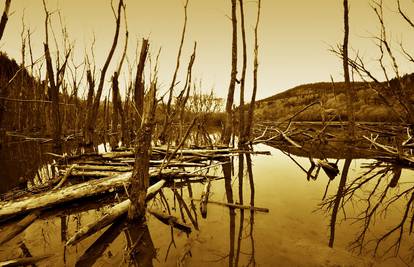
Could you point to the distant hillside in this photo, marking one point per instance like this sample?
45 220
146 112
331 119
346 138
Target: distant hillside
368 105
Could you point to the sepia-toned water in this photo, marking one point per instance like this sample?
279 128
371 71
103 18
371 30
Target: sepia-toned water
295 231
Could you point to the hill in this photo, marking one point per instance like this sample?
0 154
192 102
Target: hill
368 104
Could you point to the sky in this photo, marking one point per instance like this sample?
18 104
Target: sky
294 37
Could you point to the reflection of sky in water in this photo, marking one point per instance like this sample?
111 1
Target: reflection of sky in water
292 233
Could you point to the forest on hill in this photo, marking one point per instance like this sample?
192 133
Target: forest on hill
327 100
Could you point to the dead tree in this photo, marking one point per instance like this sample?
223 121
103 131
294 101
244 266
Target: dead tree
54 84
243 77
350 96
168 116
227 132
255 68
93 112
139 82
185 94
116 97
140 177
4 17
392 92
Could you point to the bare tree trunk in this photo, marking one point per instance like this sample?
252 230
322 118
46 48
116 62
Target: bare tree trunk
230 95
4 17
255 68
91 89
54 89
140 176
186 91
242 138
169 116
93 112
139 82
115 101
348 86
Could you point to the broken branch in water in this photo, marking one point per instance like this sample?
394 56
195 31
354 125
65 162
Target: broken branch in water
170 220
237 206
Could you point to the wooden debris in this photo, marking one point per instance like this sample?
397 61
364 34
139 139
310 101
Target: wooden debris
204 199
170 220
65 177
112 214
66 194
18 227
331 169
236 206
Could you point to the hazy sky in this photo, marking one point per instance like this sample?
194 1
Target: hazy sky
295 36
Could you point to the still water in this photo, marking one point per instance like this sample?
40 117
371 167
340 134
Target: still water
295 232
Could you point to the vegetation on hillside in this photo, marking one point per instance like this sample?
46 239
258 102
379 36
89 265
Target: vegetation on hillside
330 103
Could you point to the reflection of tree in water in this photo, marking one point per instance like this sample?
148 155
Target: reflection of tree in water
235 249
178 211
375 192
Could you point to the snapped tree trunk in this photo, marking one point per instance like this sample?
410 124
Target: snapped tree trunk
139 82
225 138
140 177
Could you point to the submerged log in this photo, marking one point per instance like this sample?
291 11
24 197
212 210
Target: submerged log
170 220
18 227
204 199
23 261
112 214
97 249
236 206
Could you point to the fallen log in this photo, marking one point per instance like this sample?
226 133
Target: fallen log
115 168
112 214
91 174
66 194
97 249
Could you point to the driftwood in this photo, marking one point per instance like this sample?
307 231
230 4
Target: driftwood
112 214
63 195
